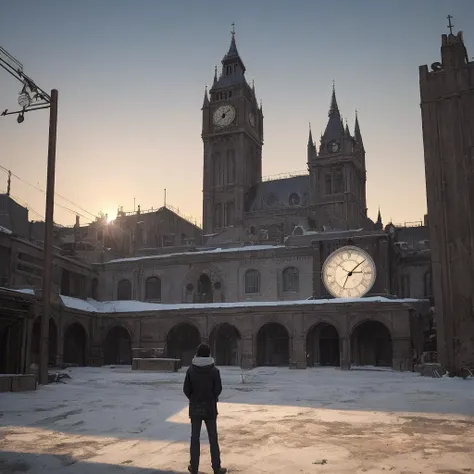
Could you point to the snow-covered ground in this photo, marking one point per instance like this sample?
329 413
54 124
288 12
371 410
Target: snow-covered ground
113 420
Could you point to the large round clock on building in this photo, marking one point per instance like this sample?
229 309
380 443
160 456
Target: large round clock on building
224 115
349 272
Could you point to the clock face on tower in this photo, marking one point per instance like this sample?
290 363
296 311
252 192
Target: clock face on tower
333 146
349 272
252 119
224 116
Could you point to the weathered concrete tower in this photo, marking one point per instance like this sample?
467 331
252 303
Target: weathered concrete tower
447 110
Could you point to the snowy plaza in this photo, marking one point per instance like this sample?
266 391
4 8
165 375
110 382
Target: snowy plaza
271 420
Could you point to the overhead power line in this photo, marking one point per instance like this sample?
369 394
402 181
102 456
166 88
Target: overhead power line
58 195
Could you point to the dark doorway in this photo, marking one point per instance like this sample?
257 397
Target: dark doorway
52 343
75 339
182 341
371 344
118 347
11 345
273 345
204 289
225 344
322 346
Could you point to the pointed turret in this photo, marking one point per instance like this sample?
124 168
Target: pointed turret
333 108
233 68
206 99
357 134
335 128
215 76
347 133
379 223
311 146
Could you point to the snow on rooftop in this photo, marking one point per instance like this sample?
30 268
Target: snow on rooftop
93 306
248 248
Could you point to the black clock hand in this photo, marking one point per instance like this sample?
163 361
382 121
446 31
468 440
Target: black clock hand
347 277
358 265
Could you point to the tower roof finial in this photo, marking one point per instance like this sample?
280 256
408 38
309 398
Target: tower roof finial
233 30
333 109
450 25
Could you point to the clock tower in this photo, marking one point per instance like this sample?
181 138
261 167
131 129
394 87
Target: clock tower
338 174
232 134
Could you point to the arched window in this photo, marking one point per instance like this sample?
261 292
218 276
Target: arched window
124 290
217 163
252 281
218 216
338 181
291 280
230 175
153 289
229 214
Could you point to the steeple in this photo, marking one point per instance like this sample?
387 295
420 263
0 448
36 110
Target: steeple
215 76
335 127
206 99
347 133
357 134
311 146
379 224
232 56
333 108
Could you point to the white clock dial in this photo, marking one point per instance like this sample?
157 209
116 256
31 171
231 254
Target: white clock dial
224 116
349 272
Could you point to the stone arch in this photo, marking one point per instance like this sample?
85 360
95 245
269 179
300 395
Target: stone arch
226 344
118 346
52 342
182 341
191 283
74 344
204 289
273 345
371 344
322 345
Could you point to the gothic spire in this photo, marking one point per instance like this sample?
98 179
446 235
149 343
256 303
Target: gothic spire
215 76
335 127
310 138
206 98
357 134
333 108
379 223
347 133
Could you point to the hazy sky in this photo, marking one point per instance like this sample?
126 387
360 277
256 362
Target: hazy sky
131 77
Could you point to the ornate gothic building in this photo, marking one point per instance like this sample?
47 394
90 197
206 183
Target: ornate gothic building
331 196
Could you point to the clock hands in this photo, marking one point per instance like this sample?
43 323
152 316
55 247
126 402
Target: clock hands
350 273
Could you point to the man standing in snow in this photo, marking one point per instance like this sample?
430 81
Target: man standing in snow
202 387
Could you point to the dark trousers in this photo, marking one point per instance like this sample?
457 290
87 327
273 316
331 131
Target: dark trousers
211 426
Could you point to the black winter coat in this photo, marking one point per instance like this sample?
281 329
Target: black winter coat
202 386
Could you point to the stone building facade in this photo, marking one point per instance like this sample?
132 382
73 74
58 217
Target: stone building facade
447 105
